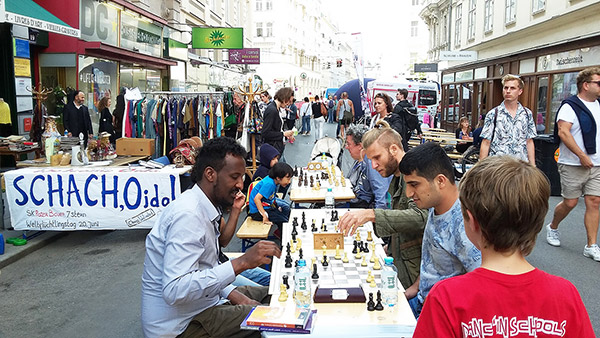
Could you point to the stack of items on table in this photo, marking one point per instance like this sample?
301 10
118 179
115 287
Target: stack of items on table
280 319
16 143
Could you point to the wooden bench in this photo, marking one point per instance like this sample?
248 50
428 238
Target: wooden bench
252 231
455 156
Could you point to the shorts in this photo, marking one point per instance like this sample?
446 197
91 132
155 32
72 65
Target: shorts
347 119
577 180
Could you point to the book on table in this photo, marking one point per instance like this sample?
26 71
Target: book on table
283 317
306 330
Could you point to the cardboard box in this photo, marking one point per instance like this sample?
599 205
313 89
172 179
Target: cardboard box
135 146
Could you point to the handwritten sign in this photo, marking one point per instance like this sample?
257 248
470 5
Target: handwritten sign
88 198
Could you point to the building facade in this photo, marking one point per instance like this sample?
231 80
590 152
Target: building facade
545 42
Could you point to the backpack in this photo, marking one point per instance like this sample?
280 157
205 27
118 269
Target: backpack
411 118
330 104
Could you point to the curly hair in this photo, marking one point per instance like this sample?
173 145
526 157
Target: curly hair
213 154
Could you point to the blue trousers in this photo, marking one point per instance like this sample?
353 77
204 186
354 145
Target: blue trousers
253 277
276 216
306 124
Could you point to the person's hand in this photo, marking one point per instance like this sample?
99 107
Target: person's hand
353 219
292 139
69 134
412 291
288 133
238 298
258 254
90 136
586 162
266 219
239 201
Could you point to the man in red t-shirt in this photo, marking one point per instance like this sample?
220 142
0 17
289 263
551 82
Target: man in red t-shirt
504 202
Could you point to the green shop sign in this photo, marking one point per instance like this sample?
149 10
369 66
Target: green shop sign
217 38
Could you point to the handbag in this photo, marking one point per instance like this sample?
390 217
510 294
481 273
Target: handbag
230 121
323 110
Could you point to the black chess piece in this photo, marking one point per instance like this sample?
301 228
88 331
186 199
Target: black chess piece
304 226
325 261
332 219
300 255
300 182
294 237
370 303
288 250
379 306
295 170
288 261
366 248
315 274
295 221
355 249
296 263
303 215
285 281
294 231
324 227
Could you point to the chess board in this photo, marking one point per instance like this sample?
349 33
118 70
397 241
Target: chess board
337 273
306 193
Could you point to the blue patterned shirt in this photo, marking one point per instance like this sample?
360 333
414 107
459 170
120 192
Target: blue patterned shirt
511 135
447 251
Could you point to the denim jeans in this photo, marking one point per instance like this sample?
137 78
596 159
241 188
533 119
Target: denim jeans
276 216
306 124
330 115
253 277
415 306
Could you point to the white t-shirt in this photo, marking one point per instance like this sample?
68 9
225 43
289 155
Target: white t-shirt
305 109
566 113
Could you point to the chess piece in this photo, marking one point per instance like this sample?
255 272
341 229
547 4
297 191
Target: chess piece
294 238
364 261
376 266
370 303
323 227
324 247
372 283
358 236
365 247
369 277
300 253
293 249
325 261
337 252
337 183
343 182
379 306
287 248
288 261
294 230
358 255
373 257
314 261
283 296
315 274
345 259
355 249
298 244
304 226
285 281
369 236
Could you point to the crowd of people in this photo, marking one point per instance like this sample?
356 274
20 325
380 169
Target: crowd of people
460 249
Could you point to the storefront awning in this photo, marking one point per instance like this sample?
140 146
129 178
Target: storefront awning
102 50
28 13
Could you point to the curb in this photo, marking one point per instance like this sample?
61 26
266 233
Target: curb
14 253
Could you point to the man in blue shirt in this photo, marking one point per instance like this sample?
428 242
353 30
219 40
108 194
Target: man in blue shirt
263 205
446 250
185 291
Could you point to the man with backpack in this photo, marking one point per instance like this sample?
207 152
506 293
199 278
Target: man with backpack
579 160
408 113
330 105
345 112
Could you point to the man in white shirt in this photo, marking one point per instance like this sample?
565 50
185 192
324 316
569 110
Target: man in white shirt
579 160
185 290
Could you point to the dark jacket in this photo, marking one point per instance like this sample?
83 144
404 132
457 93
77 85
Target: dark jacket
271 130
400 111
105 123
77 120
586 123
316 110
118 113
267 154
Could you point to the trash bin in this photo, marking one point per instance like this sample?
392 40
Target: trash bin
544 160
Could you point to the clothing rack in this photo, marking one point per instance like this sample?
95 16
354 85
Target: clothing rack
182 93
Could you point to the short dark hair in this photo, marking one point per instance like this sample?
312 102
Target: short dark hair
427 160
509 199
281 170
213 153
404 92
586 76
316 97
306 99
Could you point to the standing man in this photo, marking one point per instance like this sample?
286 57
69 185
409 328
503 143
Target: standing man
345 112
409 122
405 222
272 132
186 292
509 129
305 115
330 105
76 118
579 160
292 114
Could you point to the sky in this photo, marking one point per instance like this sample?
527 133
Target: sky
377 20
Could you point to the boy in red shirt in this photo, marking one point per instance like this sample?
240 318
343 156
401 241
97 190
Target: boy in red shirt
504 202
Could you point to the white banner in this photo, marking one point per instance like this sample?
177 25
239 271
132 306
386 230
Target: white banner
42 25
458 55
90 198
2 12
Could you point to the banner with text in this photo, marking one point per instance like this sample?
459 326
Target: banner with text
93 198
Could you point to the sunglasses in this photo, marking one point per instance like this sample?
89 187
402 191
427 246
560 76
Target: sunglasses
596 82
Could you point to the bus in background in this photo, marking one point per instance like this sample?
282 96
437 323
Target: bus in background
423 95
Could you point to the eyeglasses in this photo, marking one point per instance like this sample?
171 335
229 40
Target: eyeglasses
596 82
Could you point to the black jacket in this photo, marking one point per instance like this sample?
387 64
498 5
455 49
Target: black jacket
271 130
106 124
77 120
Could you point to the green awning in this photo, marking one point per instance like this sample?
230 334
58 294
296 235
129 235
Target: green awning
28 13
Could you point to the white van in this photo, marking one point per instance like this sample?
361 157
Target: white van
423 95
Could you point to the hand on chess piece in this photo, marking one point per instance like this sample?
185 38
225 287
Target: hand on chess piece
352 219
258 254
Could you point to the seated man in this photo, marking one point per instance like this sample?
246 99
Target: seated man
369 187
447 251
269 156
404 223
504 203
263 205
185 291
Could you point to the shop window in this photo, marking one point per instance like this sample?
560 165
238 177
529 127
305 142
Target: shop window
542 101
97 78
268 5
563 86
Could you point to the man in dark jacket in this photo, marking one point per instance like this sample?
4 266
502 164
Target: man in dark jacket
272 123
401 110
269 156
76 118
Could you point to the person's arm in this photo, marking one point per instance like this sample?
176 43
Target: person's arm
337 111
411 291
564 132
380 186
531 151
392 221
261 209
355 218
228 228
352 108
484 149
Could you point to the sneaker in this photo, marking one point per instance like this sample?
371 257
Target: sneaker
552 236
592 252
307 133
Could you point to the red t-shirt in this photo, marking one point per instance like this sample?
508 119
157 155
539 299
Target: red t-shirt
484 303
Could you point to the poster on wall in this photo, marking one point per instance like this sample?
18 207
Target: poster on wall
22 67
89 198
21 85
24 103
217 38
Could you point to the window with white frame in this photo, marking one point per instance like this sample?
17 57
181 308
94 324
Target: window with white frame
259 4
538 6
471 21
268 5
488 16
415 2
444 37
413 28
259 29
457 25
510 13
269 30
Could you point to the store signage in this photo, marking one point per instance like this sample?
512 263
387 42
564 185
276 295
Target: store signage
426 67
246 56
22 67
98 22
175 49
21 48
582 57
27 124
217 38
22 20
24 103
459 55
2 11
88 197
21 85
140 36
